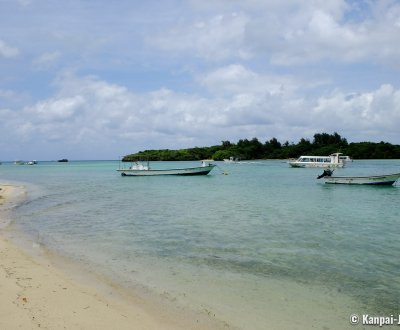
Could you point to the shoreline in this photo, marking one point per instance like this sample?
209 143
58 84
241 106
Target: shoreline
47 291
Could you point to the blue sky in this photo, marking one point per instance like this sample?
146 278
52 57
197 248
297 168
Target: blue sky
100 79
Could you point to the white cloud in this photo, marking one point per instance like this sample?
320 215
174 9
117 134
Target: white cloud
215 38
7 51
237 79
288 32
373 114
317 31
93 112
55 110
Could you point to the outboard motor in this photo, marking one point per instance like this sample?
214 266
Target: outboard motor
327 172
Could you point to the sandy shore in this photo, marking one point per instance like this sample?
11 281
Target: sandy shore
34 293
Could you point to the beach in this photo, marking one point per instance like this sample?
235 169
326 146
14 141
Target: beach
34 293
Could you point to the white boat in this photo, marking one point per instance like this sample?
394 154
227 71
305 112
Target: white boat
318 161
380 180
345 158
232 160
138 169
21 162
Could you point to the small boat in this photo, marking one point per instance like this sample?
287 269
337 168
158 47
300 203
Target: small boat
232 160
345 159
333 160
138 169
21 162
380 180
64 160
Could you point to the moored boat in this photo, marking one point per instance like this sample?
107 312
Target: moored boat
333 160
138 169
380 180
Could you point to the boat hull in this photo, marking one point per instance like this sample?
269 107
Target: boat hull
201 170
377 180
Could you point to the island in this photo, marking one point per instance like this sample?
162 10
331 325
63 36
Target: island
321 144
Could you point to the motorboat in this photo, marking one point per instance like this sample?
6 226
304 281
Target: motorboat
138 169
232 160
332 160
381 180
345 158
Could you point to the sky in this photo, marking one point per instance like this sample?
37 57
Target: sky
94 79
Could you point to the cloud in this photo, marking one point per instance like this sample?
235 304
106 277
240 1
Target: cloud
287 32
91 112
342 33
7 51
215 38
46 60
374 114
55 110
237 79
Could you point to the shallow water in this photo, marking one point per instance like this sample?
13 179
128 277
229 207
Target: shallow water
232 244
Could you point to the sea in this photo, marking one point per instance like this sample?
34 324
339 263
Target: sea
254 245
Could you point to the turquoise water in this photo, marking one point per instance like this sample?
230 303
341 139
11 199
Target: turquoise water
181 235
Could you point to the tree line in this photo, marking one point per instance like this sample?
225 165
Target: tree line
322 144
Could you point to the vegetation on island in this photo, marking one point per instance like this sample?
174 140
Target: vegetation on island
321 145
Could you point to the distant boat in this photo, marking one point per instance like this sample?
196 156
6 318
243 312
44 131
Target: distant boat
345 158
232 160
22 162
64 160
380 180
138 169
333 160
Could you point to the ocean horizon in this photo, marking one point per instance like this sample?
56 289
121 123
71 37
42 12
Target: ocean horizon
265 243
